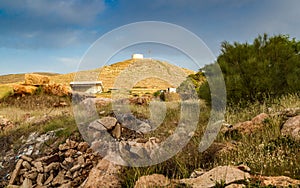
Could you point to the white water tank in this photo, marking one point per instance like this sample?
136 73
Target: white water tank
137 56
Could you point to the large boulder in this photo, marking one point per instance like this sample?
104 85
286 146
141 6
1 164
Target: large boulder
220 174
57 89
247 127
36 79
292 128
20 89
105 174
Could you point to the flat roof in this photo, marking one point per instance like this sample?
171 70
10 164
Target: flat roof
86 83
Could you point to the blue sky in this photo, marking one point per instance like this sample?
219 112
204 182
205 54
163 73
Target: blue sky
52 35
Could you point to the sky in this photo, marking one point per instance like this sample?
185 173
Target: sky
54 36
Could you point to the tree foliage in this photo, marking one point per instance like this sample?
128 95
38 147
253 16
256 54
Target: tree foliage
268 67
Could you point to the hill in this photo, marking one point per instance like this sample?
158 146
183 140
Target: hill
109 73
14 78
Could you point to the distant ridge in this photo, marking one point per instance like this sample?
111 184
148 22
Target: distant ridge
106 74
15 78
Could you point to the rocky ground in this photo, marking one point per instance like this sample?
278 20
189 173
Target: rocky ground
45 160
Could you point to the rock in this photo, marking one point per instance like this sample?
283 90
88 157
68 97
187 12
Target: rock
51 159
116 133
57 89
52 166
83 146
292 128
36 79
49 179
154 180
39 166
279 181
27 183
72 144
24 89
108 122
197 173
75 168
226 174
59 179
26 165
97 125
244 168
235 186
81 160
15 172
105 174
40 179
26 158
66 185
31 175
259 119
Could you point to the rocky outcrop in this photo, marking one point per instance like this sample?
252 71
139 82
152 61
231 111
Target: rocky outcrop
36 79
221 174
247 127
292 127
57 89
20 89
69 167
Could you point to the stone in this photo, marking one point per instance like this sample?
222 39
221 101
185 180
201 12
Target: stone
40 179
66 185
244 168
154 180
116 133
292 128
105 174
50 159
57 89
196 173
36 79
82 146
31 175
72 144
108 122
26 165
39 166
81 160
49 179
27 183
24 89
75 168
226 174
52 166
98 126
279 181
26 158
59 179
16 172
235 186
259 119
70 153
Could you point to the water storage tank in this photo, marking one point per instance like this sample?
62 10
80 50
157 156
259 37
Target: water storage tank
137 56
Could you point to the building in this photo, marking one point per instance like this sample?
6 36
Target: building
137 56
90 87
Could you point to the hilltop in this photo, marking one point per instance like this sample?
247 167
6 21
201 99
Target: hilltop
109 73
